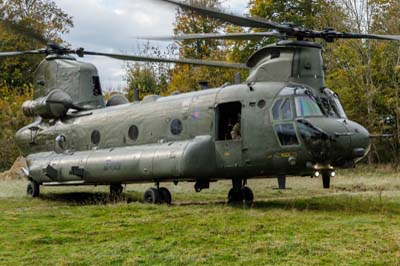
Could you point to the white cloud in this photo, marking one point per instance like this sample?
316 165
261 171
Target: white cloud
110 25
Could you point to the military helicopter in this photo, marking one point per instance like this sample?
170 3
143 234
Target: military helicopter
282 121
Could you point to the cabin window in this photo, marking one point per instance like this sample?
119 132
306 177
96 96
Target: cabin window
261 104
61 141
286 134
95 137
176 127
133 133
97 91
228 121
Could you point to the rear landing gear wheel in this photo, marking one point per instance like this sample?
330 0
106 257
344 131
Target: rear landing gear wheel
326 180
116 189
165 195
33 189
151 196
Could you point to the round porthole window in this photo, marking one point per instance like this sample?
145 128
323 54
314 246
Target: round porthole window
261 104
95 137
133 133
176 127
61 141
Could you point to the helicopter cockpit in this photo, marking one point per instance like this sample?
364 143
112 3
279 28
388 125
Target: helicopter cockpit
320 124
307 104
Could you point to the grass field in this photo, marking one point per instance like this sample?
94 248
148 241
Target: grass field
357 222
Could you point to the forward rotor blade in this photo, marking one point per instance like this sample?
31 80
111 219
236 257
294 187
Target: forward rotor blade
167 60
8 54
234 19
213 36
330 35
368 36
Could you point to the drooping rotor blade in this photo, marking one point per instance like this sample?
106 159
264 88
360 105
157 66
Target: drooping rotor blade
164 60
234 19
213 36
8 54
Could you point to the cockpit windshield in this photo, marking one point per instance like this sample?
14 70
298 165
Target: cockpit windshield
306 106
334 105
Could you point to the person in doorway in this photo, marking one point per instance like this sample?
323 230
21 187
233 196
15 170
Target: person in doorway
228 129
235 133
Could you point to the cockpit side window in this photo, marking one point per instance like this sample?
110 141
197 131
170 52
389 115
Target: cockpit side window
282 110
282 113
286 110
286 134
275 109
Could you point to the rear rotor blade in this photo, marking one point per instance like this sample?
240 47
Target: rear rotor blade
234 19
165 60
8 54
213 36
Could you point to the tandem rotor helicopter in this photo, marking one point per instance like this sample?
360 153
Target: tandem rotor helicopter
282 121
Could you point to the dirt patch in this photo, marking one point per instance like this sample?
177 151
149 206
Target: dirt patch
15 172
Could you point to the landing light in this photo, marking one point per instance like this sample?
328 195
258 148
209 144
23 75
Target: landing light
333 174
317 174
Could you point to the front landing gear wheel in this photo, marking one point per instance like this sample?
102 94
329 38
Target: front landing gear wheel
116 189
326 180
248 195
235 196
165 195
33 189
151 196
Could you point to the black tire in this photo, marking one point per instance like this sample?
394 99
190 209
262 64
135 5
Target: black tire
197 187
326 180
33 189
165 195
235 196
116 189
151 196
248 195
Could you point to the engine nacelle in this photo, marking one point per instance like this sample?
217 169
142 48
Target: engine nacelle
55 105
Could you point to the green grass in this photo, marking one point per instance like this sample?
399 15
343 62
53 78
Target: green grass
357 222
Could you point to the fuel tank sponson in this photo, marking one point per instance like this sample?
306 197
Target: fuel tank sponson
159 161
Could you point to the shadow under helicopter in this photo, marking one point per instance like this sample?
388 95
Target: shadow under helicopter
348 203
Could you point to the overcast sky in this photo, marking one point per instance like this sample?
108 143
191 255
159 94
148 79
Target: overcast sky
109 25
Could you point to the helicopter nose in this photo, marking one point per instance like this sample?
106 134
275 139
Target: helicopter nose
360 139
336 142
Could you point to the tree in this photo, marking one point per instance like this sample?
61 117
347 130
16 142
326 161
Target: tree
22 20
149 78
310 14
11 119
186 78
24 25
366 70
